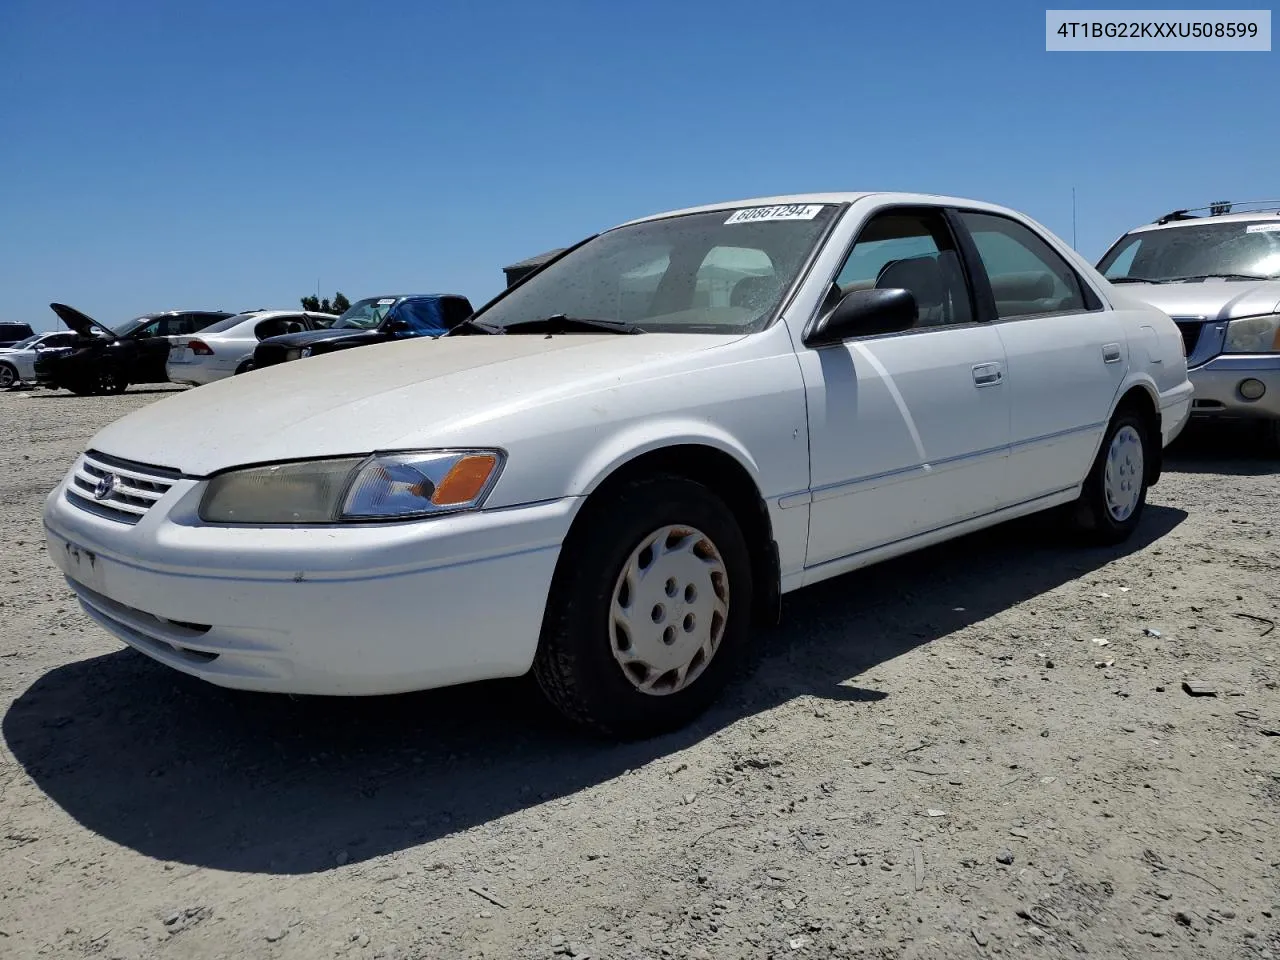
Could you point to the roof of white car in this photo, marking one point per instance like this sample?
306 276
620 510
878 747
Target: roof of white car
268 314
799 198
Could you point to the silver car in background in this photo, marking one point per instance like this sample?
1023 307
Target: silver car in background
1217 274
18 362
225 348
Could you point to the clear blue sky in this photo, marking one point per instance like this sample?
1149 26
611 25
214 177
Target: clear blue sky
196 154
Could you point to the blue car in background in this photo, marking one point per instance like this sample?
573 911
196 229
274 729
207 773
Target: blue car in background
368 321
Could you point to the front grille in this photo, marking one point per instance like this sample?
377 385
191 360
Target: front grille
133 491
1190 330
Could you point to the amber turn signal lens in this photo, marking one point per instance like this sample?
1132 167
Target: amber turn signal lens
465 480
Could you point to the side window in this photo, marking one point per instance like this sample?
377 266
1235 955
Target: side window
178 326
1027 275
455 311
912 250
152 329
59 340
423 316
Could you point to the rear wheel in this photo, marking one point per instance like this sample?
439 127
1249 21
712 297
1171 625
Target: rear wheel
648 611
244 368
8 375
1115 492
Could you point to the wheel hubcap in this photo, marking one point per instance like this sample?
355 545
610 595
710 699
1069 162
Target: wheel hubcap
6 377
1123 480
670 606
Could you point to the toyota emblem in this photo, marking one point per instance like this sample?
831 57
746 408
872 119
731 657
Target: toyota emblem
105 487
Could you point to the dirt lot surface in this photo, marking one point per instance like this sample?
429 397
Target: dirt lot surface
934 758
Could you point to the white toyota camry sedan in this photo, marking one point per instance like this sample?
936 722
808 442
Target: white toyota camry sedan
614 469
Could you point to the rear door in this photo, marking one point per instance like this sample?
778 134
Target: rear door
1066 350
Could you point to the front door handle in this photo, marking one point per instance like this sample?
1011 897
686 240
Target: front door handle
1111 353
987 374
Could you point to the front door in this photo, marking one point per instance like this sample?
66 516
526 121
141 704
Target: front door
909 432
1067 355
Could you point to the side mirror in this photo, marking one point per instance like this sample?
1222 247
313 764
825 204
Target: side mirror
396 325
862 313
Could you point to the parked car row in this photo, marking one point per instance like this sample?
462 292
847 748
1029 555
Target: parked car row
613 471
199 347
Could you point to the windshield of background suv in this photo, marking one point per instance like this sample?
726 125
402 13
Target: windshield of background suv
1194 250
364 314
720 272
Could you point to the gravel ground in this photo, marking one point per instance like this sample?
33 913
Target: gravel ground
933 758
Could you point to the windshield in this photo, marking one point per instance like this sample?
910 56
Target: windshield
721 272
1177 253
364 314
29 342
228 323
128 326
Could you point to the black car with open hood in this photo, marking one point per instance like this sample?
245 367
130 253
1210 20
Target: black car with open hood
107 360
371 320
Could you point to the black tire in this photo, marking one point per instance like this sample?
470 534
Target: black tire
1271 437
243 368
575 664
1091 514
110 380
8 375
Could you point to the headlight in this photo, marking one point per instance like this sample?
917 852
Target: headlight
1253 335
386 486
304 352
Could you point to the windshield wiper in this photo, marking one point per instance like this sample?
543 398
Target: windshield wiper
559 323
472 326
1137 280
1224 276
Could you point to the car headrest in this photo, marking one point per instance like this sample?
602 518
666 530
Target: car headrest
921 275
754 292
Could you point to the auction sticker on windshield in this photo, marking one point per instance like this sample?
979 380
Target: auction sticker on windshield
790 211
1262 228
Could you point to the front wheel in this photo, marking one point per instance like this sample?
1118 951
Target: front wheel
1115 492
245 367
8 375
110 380
648 611
1271 437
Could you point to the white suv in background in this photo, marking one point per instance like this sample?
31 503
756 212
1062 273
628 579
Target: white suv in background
226 348
1218 276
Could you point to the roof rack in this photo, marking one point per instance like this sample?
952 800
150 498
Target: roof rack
1220 207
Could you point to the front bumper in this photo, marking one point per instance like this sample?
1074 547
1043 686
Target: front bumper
1218 381
349 610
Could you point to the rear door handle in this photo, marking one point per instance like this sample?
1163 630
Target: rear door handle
987 374
1111 353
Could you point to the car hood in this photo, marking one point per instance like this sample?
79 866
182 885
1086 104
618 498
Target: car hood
81 323
1211 299
415 393
307 337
